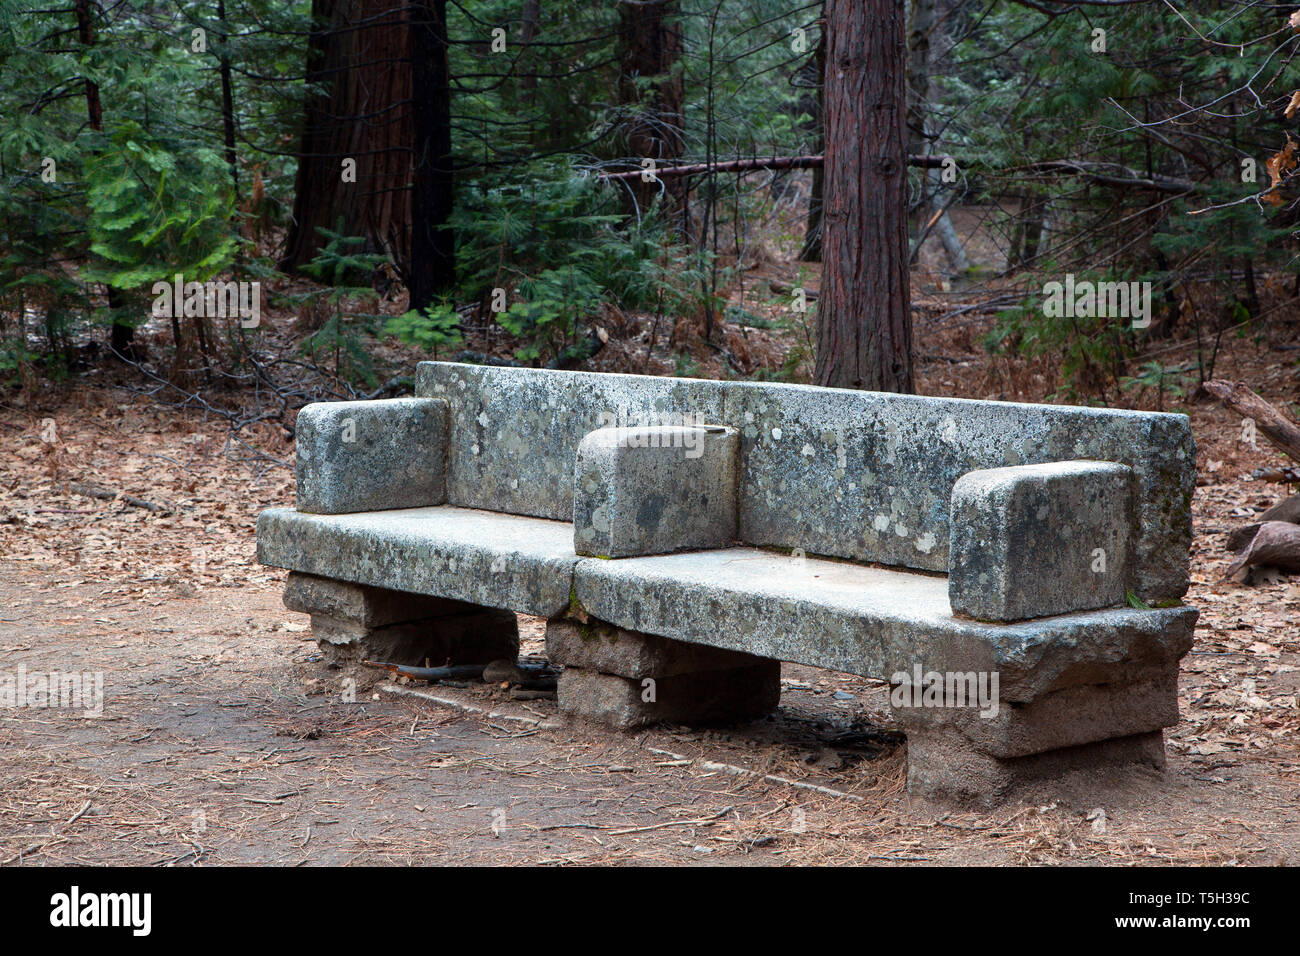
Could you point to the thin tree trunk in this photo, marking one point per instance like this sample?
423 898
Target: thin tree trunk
228 101
120 336
944 228
433 248
932 205
816 71
530 15
919 27
864 322
649 47
1252 290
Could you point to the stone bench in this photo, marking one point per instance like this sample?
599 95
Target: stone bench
683 537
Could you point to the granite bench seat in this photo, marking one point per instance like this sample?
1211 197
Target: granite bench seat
871 621
684 537
486 558
839 615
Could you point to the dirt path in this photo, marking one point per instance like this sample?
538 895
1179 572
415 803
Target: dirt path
221 743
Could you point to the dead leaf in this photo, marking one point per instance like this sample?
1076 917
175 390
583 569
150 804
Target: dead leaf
1278 165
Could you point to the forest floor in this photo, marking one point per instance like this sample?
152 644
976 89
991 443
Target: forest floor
224 738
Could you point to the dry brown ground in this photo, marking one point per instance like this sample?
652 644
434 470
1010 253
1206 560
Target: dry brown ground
224 739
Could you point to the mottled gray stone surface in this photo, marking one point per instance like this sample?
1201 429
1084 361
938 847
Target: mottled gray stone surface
704 697
361 604
859 475
1036 540
485 558
369 456
516 436
1146 701
597 646
655 489
833 614
869 476
870 621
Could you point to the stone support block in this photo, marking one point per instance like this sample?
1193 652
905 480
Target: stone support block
354 622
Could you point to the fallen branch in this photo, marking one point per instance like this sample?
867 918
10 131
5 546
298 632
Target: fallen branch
785 288
1279 474
1113 174
1103 174
1240 398
713 766
539 678
85 808
481 713
1287 510
733 166
700 822
105 494
1276 544
454 672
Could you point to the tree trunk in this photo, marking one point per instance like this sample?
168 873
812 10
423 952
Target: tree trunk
433 249
120 335
815 106
530 15
864 321
360 53
649 47
920 24
932 204
943 227
228 100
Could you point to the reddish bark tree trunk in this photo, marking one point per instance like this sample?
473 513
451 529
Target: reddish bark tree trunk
433 248
864 321
360 51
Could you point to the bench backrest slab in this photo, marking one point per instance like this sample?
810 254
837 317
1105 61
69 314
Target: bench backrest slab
866 476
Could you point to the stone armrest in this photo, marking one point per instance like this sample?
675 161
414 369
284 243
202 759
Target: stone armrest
1037 540
371 455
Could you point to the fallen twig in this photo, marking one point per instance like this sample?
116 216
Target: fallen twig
468 708
105 494
714 767
78 815
701 822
